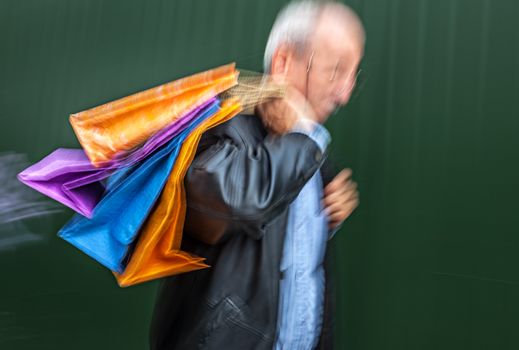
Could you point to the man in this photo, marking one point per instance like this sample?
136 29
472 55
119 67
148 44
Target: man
262 204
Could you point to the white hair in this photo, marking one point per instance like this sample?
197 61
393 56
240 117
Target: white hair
296 22
293 26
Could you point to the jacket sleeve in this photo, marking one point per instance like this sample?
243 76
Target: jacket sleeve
232 181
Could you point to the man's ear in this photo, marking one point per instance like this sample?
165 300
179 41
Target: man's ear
281 60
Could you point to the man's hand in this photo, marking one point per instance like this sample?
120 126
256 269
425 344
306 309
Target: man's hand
340 198
281 114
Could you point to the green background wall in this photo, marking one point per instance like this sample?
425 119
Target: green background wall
430 258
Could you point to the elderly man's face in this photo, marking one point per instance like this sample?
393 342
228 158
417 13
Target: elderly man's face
326 73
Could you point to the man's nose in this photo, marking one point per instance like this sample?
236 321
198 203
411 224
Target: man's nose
342 97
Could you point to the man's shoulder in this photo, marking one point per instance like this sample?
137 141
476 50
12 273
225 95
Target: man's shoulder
243 128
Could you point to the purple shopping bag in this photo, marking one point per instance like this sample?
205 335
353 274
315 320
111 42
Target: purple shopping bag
67 176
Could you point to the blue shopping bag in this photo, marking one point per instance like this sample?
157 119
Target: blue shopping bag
129 198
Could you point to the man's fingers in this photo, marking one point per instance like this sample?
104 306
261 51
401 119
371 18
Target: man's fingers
343 194
344 174
342 206
340 198
339 181
350 186
341 214
334 196
338 207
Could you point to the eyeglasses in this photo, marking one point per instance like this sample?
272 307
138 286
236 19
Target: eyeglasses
343 80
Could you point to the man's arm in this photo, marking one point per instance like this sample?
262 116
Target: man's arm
231 181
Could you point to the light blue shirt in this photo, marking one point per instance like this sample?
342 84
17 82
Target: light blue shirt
301 294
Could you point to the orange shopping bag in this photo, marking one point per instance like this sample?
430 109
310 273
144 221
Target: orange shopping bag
157 252
112 130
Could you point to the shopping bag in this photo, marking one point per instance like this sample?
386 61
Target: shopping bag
157 251
68 176
113 130
129 199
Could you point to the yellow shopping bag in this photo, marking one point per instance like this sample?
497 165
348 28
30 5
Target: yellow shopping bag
112 130
157 252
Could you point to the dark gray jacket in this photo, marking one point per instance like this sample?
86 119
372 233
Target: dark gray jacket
239 185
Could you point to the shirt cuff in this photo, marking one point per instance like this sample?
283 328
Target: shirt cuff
315 131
